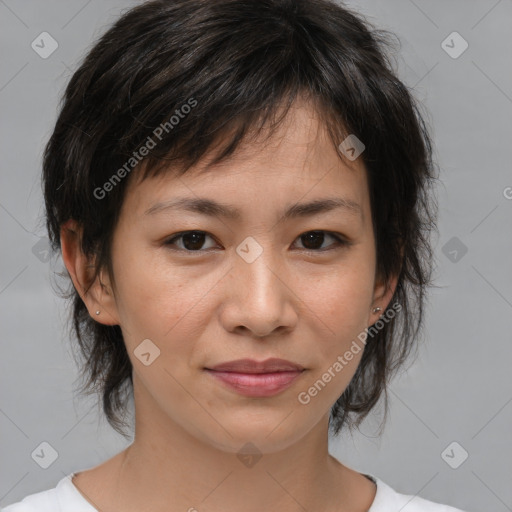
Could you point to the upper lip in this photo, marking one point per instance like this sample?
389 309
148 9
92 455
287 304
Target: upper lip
252 366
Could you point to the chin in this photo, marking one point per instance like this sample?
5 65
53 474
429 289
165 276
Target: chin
264 436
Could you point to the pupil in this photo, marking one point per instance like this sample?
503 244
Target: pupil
194 240
314 237
197 240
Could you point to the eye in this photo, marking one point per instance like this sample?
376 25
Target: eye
193 241
312 239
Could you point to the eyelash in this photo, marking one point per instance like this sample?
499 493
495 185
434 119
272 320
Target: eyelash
341 242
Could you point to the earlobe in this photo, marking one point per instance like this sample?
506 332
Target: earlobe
384 290
97 295
382 295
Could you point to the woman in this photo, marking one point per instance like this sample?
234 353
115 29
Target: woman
241 193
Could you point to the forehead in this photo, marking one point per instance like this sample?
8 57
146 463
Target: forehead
301 141
299 161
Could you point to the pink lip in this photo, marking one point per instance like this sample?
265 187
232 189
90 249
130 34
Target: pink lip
270 365
257 384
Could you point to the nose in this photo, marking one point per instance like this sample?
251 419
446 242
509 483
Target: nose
259 298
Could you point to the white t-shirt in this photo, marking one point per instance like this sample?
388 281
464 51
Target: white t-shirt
65 497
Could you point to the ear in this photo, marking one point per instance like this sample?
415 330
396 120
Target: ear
96 293
382 294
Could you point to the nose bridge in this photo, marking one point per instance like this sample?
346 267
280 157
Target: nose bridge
259 298
256 266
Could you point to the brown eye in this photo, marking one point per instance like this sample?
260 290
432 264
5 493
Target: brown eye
192 241
313 240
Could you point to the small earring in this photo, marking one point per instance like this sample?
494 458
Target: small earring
376 310
98 312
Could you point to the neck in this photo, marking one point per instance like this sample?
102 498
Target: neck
169 467
189 473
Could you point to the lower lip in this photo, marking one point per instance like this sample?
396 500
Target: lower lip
257 384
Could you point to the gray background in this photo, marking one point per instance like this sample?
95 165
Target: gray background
459 388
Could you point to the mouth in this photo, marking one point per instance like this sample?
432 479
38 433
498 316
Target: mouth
257 385
257 379
271 365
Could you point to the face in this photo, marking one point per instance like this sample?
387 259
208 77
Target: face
255 285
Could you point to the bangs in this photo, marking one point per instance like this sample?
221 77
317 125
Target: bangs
179 156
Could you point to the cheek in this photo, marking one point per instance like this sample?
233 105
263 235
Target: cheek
341 298
152 298
343 308
339 304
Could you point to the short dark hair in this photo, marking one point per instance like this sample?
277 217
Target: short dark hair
237 63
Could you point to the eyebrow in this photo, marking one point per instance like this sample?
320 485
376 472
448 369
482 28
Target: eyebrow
213 208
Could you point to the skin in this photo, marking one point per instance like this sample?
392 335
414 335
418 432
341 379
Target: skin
210 306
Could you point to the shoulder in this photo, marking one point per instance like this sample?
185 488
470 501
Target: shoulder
38 502
64 497
389 500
